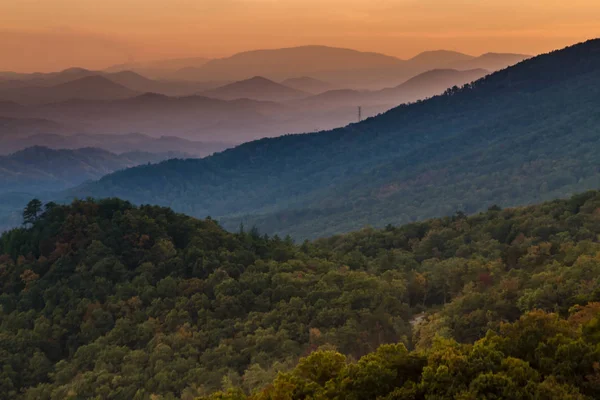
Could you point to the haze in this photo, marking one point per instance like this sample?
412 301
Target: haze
54 34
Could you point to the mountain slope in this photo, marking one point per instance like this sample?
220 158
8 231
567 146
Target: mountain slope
127 78
429 84
39 169
257 88
489 61
125 143
12 128
39 79
196 117
162 69
520 135
308 84
435 59
420 87
92 87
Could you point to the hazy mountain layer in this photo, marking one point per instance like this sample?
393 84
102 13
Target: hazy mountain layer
256 88
522 134
239 114
126 143
308 85
40 169
341 67
88 88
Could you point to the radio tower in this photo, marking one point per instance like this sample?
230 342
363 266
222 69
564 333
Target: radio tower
359 114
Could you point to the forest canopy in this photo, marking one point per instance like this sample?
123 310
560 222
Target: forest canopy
102 299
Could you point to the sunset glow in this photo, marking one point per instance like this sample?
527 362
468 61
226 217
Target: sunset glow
54 34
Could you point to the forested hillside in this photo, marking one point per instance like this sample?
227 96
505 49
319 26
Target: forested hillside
525 134
42 172
105 300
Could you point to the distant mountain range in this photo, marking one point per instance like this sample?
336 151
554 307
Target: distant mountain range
488 61
290 93
88 88
422 86
429 84
119 144
22 127
160 69
524 134
22 84
341 67
236 112
193 117
40 169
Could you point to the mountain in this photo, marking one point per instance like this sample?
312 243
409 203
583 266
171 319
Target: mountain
101 299
202 117
13 128
435 59
309 85
280 64
343 68
125 143
137 82
40 169
339 67
429 84
45 79
92 88
338 97
520 135
197 118
127 78
160 69
86 88
257 88
420 87
489 61
443 59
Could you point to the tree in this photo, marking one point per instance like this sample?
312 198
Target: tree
32 211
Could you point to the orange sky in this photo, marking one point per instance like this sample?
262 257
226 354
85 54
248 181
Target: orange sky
44 35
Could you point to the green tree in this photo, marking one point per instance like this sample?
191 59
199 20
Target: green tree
32 211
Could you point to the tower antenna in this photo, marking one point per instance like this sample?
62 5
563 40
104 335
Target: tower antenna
359 114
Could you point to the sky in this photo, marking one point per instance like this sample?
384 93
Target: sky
49 35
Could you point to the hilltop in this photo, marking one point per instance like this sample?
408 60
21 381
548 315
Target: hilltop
256 88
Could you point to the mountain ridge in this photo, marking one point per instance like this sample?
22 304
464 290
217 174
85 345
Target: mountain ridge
256 88
39 169
339 66
403 143
92 87
118 144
